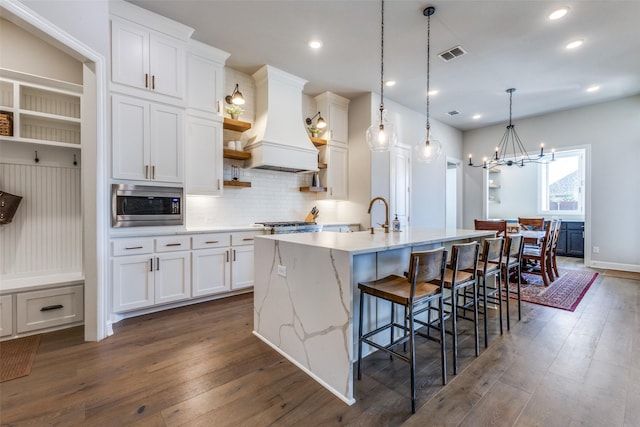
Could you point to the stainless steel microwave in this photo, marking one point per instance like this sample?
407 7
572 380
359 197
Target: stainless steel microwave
139 205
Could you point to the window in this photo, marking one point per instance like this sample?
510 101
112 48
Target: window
562 184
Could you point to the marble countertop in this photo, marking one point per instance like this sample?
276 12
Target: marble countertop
364 242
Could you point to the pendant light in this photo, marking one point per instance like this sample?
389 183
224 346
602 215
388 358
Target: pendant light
510 150
428 149
381 135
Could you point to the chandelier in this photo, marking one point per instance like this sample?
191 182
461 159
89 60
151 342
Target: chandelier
428 149
510 150
381 135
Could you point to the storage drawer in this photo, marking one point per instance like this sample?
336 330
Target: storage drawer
244 237
571 225
215 240
138 246
50 307
6 315
173 243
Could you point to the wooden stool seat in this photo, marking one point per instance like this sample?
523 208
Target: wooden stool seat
397 289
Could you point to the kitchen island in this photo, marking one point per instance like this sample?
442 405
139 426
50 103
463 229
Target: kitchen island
306 297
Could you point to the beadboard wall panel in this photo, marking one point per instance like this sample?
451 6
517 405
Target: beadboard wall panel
45 236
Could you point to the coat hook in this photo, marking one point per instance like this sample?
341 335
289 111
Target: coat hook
36 159
75 162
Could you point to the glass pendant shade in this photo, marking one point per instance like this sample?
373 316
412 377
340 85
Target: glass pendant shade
428 150
381 136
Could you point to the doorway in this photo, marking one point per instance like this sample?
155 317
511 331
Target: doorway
453 193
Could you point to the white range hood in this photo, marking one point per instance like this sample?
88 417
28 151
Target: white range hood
278 139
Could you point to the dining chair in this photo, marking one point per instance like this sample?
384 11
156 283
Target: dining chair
460 275
553 265
512 263
500 226
538 254
531 223
415 293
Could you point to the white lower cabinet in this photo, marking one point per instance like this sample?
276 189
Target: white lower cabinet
242 266
49 307
6 315
210 264
143 280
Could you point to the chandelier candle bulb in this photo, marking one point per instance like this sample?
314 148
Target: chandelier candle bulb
541 149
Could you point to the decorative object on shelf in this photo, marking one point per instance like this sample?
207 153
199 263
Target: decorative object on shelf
396 223
319 125
234 111
8 206
428 149
36 158
235 98
510 151
236 172
382 135
6 124
75 161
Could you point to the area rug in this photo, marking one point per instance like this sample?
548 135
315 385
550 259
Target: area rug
622 274
17 356
564 293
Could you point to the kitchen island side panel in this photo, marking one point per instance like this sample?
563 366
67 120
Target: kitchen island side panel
307 315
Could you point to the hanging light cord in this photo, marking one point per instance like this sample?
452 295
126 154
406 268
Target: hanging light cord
382 63
510 106
428 67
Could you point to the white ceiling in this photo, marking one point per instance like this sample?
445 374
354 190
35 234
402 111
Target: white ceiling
509 43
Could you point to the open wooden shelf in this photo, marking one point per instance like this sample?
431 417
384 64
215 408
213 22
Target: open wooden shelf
322 165
236 183
318 142
235 155
235 125
313 189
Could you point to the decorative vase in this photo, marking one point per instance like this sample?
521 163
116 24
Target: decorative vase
314 134
234 116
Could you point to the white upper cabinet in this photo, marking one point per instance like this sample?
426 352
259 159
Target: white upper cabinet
205 77
147 60
335 110
204 156
148 140
336 175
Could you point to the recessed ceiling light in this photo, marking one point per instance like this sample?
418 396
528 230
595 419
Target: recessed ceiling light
315 44
574 44
433 92
476 116
559 13
594 88
390 83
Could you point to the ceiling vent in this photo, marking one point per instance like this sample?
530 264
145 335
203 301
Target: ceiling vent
453 113
452 53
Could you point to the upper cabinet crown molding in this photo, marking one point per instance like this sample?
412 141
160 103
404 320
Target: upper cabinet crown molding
149 19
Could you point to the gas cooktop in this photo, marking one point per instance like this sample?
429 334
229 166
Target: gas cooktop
282 227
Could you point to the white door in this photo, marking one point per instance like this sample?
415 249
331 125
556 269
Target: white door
204 83
339 123
451 191
130 138
211 272
172 277
242 267
132 282
167 143
400 185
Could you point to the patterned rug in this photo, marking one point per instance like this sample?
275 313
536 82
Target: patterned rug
564 293
17 357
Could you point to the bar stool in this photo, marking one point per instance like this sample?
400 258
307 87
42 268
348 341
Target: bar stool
490 264
459 276
512 261
415 294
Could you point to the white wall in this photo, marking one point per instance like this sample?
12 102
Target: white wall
612 130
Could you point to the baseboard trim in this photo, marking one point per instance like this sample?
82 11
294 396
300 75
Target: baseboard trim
615 266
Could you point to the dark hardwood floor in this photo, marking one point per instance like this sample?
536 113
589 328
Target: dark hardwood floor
201 366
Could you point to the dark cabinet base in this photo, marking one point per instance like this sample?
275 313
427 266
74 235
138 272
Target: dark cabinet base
571 240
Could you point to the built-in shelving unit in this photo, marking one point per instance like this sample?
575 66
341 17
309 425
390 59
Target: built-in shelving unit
318 142
235 125
234 183
235 154
313 189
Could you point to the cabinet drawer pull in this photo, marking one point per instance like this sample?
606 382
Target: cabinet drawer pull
146 80
234 255
153 82
153 172
146 171
247 239
150 264
227 253
210 242
128 248
52 307
173 244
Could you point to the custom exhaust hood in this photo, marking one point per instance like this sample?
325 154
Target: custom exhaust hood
278 139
